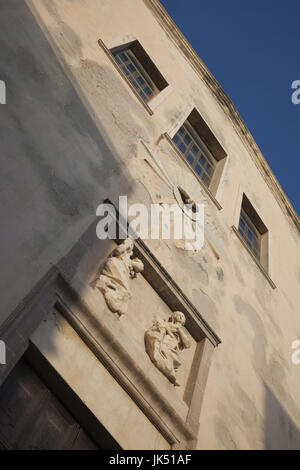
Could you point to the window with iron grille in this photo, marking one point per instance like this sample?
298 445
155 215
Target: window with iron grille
195 152
254 233
139 69
250 233
254 236
135 73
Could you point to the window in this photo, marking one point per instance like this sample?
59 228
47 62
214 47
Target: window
249 233
254 232
254 235
139 69
135 73
195 151
201 150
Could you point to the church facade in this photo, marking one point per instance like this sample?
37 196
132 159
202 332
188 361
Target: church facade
137 343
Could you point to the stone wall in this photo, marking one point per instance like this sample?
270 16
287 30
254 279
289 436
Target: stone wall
74 134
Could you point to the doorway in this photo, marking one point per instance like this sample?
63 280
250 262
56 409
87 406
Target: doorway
34 417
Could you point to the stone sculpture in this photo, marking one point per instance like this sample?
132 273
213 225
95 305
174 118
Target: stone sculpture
164 342
114 280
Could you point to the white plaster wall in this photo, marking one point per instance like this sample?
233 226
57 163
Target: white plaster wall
252 377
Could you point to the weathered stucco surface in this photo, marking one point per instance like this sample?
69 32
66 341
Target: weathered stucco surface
71 136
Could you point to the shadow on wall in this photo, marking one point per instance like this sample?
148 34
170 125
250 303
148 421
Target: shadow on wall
281 433
57 161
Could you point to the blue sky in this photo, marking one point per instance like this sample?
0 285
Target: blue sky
252 47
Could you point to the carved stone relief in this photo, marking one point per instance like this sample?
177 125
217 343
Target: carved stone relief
114 280
175 185
164 342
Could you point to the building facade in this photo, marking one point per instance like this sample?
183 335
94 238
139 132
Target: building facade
106 98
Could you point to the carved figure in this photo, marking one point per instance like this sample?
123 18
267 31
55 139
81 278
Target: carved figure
114 280
164 342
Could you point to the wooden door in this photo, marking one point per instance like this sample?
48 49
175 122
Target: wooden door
32 417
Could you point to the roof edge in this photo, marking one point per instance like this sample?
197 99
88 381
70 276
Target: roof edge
228 107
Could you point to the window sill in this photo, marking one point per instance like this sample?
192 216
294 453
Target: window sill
262 269
208 192
110 56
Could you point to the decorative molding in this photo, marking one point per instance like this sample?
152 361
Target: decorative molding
63 289
165 286
173 296
23 321
122 366
228 107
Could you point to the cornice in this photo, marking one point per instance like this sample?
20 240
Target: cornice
228 107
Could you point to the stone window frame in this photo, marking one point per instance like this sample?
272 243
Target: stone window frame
129 61
215 148
60 289
196 149
162 87
263 234
250 233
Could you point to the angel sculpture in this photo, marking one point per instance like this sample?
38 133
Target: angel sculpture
114 280
164 342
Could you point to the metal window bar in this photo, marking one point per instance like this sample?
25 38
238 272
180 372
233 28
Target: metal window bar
137 75
249 233
196 153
